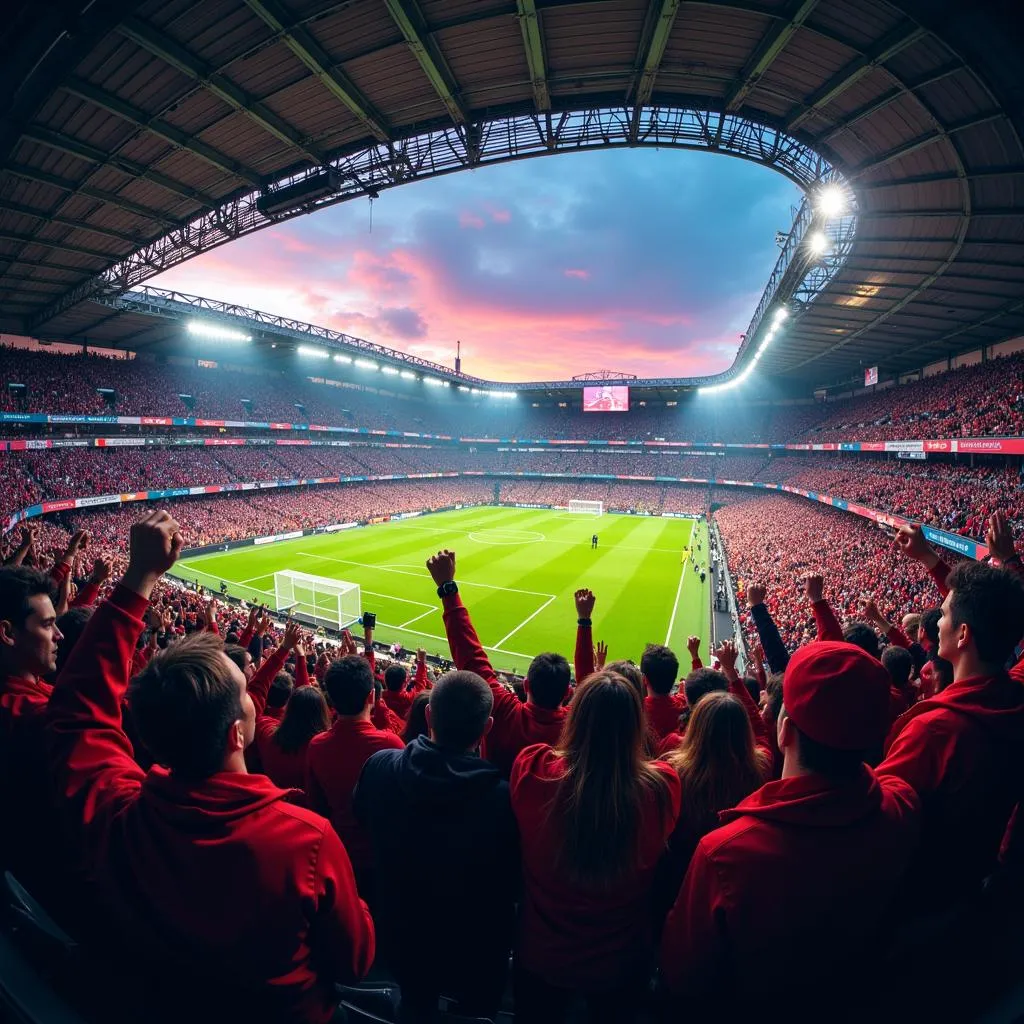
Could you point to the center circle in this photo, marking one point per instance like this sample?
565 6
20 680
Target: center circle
509 537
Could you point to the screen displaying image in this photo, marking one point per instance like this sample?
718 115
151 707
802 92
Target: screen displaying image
607 398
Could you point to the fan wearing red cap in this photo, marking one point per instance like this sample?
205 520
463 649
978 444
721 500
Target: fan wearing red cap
806 868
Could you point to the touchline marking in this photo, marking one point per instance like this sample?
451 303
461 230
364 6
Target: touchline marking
444 640
404 600
497 646
409 622
419 575
679 590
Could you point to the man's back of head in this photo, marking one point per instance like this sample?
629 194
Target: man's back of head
863 636
459 711
185 703
899 663
702 681
395 678
660 668
547 680
349 683
982 618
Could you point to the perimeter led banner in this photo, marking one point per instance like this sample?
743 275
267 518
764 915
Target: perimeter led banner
606 398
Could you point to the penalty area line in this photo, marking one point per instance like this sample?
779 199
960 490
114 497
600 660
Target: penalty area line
675 606
497 646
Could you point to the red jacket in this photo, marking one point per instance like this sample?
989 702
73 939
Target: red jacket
963 751
516 725
803 870
221 877
400 701
583 939
662 711
333 764
284 769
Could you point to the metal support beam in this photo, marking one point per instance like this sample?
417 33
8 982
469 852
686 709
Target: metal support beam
301 42
68 222
106 257
533 44
774 42
943 177
158 44
163 129
75 147
899 39
661 16
413 26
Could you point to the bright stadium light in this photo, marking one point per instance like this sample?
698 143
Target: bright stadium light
408 375
202 330
780 314
390 371
342 359
433 382
817 243
316 353
462 387
832 201
367 364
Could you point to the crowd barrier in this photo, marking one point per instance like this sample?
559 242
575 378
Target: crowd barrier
954 542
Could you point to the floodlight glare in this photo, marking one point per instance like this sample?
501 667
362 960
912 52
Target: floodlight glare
316 353
390 371
408 375
201 330
366 364
433 382
780 314
342 359
832 201
817 243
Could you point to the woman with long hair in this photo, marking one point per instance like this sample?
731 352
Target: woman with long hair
719 763
416 720
282 747
594 816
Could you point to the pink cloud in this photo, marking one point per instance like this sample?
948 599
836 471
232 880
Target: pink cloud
580 275
471 220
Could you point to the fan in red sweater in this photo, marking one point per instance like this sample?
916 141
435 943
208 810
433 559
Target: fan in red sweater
212 880
516 725
963 749
806 868
395 694
336 757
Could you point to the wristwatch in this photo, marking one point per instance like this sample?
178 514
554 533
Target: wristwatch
447 589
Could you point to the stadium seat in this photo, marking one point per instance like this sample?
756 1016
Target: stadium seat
29 917
25 996
352 1014
378 998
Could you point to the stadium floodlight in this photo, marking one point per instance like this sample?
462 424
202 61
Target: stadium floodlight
367 364
204 330
390 371
338 358
832 201
462 387
316 353
817 243
780 314
434 382
408 375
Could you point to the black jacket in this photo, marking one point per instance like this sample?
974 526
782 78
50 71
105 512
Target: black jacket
447 870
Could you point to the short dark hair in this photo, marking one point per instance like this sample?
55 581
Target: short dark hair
395 678
280 690
660 668
827 761
460 704
899 663
71 625
930 625
349 681
702 681
18 585
184 702
863 636
547 680
991 601
237 654
773 689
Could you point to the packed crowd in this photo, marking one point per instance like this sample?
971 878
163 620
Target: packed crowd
986 399
321 815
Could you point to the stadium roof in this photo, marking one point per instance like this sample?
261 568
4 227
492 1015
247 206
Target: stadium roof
137 134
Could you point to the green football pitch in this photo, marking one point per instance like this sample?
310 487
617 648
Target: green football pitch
517 570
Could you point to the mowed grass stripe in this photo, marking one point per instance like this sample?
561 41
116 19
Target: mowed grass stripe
634 572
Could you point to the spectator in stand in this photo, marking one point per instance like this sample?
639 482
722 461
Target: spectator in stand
283 747
517 725
201 828
662 708
438 804
337 756
416 721
396 696
594 816
804 870
962 749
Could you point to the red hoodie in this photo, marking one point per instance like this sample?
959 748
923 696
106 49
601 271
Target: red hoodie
585 939
516 725
662 711
400 701
223 877
963 751
803 871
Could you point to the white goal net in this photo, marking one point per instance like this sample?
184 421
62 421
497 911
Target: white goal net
327 602
586 508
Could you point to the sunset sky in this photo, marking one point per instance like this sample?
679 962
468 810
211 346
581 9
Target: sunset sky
648 262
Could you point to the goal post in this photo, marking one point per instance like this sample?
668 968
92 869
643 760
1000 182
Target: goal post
586 508
325 601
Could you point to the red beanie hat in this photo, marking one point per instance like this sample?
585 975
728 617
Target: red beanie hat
838 695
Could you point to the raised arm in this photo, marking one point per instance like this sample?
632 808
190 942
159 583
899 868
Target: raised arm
264 676
28 539
583 661
101 570
301 666
1001 544
62 568
467 651
250 628
870 613
421 679
90 755
912 542
693 646
727 654
824 618
771 640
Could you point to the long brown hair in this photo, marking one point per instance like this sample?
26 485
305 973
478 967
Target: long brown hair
717 761
607 780
306 716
